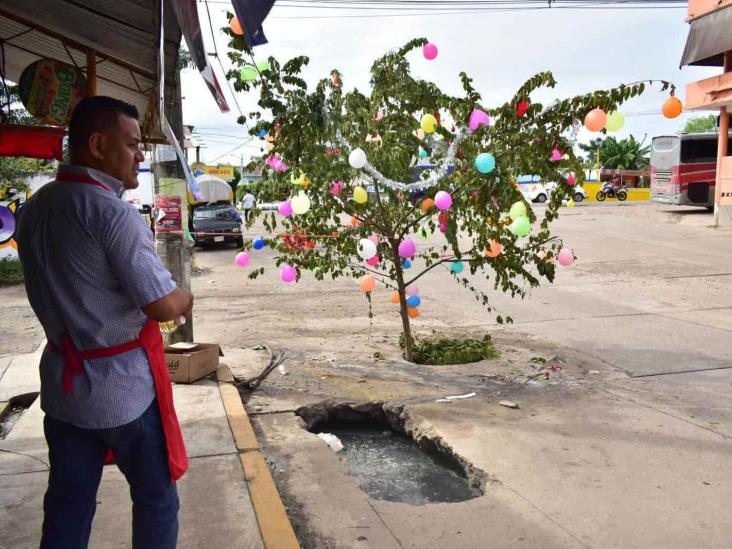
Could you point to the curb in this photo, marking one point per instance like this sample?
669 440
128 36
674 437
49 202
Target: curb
274 524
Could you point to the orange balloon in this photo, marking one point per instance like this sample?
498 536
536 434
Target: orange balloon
355 222
235 26
394 298
427 203
595 120
367 283
494 249
413 312
672 107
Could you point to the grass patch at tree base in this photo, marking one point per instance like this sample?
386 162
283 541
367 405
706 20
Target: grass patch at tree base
442 351
11 272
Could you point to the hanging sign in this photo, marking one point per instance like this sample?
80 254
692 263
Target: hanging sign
50 90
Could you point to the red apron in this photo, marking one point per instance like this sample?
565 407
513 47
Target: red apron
152 342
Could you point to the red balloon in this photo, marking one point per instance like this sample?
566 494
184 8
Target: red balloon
521 108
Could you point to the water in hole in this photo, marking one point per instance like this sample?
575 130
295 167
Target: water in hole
392 467
9 419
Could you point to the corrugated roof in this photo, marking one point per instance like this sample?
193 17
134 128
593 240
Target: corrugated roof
122 33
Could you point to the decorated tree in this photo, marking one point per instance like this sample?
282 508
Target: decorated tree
369 176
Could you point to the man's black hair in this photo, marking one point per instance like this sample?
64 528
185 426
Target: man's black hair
95 114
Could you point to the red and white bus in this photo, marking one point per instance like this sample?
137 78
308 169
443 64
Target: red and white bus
684 169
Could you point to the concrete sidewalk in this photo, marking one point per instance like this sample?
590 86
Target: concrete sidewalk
226 486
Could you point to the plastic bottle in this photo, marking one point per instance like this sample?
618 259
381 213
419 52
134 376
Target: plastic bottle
172 325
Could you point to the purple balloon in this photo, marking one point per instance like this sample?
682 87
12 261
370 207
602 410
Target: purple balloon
443 200
407 248
429 51
242 259
288 273
478 118
285 208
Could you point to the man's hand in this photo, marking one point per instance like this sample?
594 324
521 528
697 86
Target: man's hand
170 307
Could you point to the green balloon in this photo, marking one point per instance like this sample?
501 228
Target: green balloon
518 209
521 226
249 73
263 66
615 121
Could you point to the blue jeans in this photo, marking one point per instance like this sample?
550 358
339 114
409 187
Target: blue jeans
76 457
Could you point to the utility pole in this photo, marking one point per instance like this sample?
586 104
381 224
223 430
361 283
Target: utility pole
173 248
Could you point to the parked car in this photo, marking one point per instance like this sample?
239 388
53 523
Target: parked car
216 223
534 192
578 192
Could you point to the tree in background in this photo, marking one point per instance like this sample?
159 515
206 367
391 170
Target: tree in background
701 124
360 203
626 154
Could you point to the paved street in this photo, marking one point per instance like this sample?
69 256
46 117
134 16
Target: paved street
630 448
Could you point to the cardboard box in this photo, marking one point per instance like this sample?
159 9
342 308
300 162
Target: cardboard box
192 361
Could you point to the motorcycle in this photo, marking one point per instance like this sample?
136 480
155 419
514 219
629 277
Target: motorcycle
609 191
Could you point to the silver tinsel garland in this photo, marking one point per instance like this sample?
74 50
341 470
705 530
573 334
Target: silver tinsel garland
431 181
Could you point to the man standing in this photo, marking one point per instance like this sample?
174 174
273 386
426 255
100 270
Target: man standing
98 288
248 205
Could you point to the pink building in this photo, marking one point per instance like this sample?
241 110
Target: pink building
710 44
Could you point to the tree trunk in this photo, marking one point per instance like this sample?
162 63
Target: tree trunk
402 289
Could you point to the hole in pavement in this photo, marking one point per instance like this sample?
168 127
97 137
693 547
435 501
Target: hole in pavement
391 460
15 408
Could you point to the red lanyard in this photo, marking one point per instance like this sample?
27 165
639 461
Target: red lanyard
86 180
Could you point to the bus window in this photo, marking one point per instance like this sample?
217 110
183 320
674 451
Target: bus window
701 150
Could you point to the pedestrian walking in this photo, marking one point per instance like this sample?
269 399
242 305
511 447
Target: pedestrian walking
99 289
248 202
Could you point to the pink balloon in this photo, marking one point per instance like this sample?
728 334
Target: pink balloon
407 248
374 238
288 273
565 257
412 290
374 261
443 227
571 180
478 118
556 155
336 187
443 200
379 116
429 51
242 259
285 208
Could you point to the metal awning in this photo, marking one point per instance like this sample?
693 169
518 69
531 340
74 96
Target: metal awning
709 37
123 36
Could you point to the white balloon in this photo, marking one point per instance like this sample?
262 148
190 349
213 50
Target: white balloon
366 249
300 204
357 158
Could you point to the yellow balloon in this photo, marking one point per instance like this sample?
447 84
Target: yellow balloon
570 203
428 123
360 195
615 121
298 180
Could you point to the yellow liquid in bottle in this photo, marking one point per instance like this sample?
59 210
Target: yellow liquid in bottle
168 327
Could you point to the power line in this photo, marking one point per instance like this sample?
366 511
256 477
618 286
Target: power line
223 70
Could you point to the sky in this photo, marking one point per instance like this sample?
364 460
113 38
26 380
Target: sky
585 50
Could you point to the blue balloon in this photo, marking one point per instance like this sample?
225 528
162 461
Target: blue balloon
414 301
258 243
422 153
406 264
262 133
457 267
485 163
